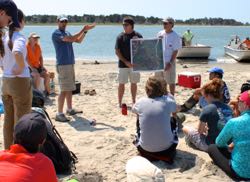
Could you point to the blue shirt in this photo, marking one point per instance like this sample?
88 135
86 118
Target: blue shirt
237 130
64 50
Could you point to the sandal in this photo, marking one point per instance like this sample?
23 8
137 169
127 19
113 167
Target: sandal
92 92
73 112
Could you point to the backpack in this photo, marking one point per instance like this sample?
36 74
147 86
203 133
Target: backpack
37 99
63 159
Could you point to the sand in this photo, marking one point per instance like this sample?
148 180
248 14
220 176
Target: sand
103 150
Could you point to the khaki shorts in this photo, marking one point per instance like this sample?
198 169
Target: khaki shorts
125 73
169 76
66 77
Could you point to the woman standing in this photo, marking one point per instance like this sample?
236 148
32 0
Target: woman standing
16 89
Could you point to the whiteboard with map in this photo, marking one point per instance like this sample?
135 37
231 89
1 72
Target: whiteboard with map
147 55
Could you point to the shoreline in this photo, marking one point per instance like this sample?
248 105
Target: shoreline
226 60
117 24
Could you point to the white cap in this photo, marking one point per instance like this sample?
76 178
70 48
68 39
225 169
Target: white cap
62 17
139 169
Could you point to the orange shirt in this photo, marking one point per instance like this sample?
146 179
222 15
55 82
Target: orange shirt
33 56
18 165
247 42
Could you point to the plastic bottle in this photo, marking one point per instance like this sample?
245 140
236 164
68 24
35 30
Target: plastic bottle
52 86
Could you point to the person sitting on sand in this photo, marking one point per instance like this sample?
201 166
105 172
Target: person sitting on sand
35 60
23 162
212 118
234 104
232 149
157 137
215 72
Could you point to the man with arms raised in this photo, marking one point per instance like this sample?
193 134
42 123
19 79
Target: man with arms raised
65 61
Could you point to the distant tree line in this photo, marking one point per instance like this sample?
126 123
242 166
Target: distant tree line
117 18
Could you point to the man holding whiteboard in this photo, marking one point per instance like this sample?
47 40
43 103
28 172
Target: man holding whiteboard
122 50
171 45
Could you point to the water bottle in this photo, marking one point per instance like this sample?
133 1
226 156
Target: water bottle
52 86
124 109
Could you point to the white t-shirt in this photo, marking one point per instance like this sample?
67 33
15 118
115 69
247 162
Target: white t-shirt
171 43
8 61
154 119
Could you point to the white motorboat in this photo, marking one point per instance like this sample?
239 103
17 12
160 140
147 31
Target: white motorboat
194 51
234 50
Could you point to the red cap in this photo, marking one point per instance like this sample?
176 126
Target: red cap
245 97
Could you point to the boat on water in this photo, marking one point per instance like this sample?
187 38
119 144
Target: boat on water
194 51
234 49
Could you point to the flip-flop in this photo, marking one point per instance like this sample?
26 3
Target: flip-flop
86 92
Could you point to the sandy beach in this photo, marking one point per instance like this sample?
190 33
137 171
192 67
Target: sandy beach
106 147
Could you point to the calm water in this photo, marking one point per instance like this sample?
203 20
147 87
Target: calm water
99 43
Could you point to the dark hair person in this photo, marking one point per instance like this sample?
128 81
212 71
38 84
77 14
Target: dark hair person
16 88
23 162
157 138
8 15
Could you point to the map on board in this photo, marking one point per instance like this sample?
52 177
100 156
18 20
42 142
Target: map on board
147 54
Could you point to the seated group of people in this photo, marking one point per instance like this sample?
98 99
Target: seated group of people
222 131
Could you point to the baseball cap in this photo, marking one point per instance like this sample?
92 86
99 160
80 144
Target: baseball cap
11 10
62 17
31 129
128 20
139 169
34 35
245 97
216 70
168 20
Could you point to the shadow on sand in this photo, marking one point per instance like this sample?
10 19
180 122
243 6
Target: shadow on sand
83 124
183 161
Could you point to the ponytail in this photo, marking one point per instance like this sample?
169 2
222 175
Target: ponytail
1 43
12 28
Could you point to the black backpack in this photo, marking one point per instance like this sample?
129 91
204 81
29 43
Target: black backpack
37 99
63 159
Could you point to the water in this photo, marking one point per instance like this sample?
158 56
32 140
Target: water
100 42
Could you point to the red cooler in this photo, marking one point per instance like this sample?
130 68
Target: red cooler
189 79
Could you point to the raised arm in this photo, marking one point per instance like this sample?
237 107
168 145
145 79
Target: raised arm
78 37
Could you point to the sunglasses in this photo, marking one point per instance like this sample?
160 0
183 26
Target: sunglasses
167 23
64 21
125 24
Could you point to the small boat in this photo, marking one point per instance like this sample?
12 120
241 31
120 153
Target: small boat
233 50
194 51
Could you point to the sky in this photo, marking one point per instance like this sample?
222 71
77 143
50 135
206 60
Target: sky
178 9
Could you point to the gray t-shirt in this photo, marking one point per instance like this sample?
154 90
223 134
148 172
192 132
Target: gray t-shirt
154 118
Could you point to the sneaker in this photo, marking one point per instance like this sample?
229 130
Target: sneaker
61 118
73 112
